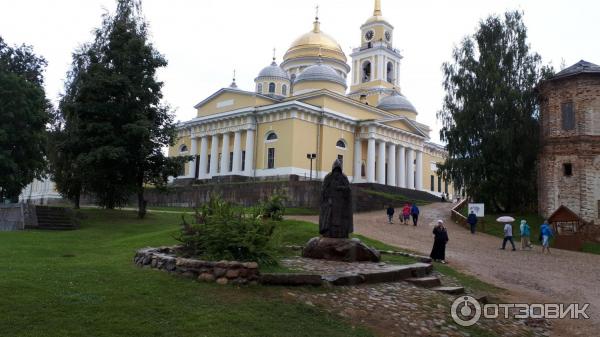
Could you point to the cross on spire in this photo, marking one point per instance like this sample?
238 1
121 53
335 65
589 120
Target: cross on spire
317 12
233 84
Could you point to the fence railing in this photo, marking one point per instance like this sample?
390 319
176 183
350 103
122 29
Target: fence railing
456 216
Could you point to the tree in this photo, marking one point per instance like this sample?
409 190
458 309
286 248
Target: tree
24 112
489 116
117 124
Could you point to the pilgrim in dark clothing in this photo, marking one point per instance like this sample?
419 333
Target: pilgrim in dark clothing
438 253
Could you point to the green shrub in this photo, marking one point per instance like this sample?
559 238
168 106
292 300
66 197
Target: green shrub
274 208
222 232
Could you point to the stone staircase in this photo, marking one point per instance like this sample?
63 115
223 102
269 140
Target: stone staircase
53 218
434 283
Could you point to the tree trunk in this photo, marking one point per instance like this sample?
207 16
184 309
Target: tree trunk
141 203
76 201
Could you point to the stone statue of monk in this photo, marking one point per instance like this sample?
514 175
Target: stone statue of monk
335 218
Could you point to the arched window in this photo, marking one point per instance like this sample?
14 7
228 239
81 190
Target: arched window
363 169
271 137
183 148
390 72
366 71
271 88
340 144
259 88
284 90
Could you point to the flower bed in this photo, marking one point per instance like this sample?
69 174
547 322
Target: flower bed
222 272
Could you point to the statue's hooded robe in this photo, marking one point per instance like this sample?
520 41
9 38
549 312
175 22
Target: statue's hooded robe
335 218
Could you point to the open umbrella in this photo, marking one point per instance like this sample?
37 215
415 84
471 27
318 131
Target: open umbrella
505 219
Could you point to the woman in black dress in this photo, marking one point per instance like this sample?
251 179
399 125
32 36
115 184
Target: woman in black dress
438 253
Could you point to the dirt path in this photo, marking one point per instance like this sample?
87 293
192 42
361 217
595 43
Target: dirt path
563 276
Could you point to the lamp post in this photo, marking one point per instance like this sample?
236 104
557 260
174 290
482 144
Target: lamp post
311 156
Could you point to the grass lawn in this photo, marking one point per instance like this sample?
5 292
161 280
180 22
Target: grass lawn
84 283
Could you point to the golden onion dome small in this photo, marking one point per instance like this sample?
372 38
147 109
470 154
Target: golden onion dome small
314 44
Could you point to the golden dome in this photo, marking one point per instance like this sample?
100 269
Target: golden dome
314 44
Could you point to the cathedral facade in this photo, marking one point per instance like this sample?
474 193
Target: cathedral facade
314 107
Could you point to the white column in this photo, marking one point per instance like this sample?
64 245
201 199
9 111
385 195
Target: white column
419 171
357 160
249 160
371 160
214 155
203 157
401 166
391 169
193 152
410 169
237 152
225 155
381 163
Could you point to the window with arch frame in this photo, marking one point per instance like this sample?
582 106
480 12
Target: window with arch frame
183 148
340 144
259 88
366 71
390 72
271 137
271 88
284 89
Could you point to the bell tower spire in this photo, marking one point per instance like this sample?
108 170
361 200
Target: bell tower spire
376 63
377 10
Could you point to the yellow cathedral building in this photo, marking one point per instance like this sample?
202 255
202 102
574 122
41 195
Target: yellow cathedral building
304 107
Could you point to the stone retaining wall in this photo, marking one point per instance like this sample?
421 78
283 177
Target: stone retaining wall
222 272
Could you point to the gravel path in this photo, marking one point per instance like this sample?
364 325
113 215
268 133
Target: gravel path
563 276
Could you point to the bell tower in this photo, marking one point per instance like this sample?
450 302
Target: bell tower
376 63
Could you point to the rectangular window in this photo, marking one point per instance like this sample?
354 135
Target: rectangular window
271 158
208 166
439 183
230 161
568 116
219 163
432 180
243 160
341 158
567 169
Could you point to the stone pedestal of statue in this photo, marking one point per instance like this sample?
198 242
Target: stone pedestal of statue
339 249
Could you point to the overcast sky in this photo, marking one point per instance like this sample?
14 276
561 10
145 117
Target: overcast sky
205 40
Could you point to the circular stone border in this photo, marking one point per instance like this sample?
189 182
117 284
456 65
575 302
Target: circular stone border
233 272
222 272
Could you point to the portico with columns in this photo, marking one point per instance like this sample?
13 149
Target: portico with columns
303 107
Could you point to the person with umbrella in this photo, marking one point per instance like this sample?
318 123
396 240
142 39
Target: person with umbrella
508 237
440 238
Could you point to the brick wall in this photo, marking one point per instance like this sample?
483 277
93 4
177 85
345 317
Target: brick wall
579 147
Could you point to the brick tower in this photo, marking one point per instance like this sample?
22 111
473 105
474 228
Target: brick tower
569 158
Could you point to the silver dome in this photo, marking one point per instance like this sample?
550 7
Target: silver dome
320 72
396 102
273 70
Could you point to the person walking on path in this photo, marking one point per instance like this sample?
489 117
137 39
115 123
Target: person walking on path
508 236
472 221
405 215
546 234
440 238
525 235
414 211
390 214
